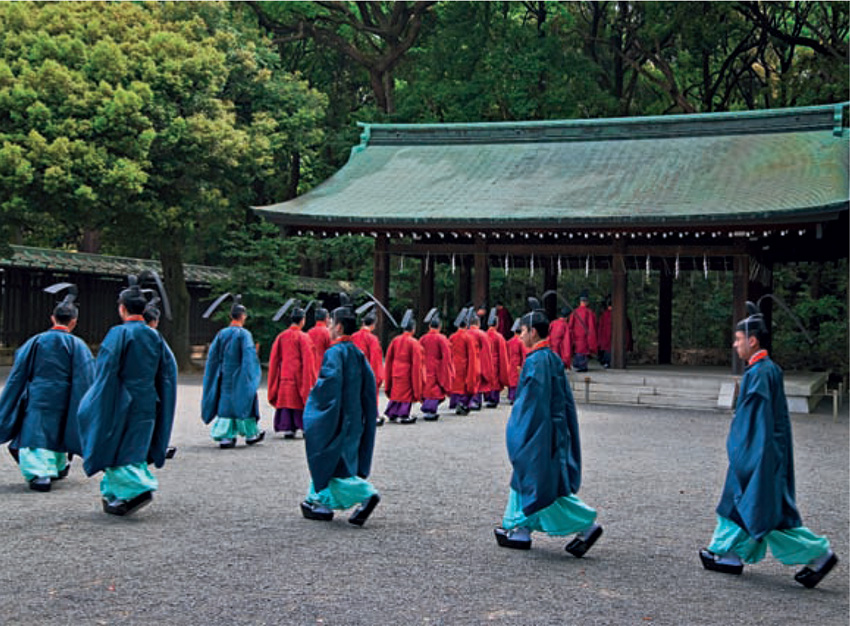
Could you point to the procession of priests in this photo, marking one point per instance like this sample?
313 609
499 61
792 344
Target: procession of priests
115 412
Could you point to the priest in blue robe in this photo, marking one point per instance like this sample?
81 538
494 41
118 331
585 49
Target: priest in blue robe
757 508
38 406
231 379
544 450
126 416
340 421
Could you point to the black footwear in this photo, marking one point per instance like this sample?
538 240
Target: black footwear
461 410
224 444
289 434
584 542
715 563
127 507
474 408
256 439
491 405
316 512
410 419
393 418
170 451
40 483
809 578
430 417
362 513
380 421
63 473
517 538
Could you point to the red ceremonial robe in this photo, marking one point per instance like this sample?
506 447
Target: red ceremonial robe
439 367
321 338
499 349
603 330
516 358
371 347
559 339
485 358
505 322
465 359
582 325
292 369
405 369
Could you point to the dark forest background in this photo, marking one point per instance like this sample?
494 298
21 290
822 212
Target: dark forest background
148 129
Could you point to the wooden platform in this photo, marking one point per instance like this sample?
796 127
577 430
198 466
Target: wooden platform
700 388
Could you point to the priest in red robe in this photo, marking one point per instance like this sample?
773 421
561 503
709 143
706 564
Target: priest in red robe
368 343
516 359
559 337
485 357
582 325
320 336
466 365
439 367
499 353
405 368
292 373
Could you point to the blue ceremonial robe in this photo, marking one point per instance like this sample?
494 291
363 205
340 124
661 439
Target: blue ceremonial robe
38 406
542 433
759 491
340 416
126 416
231 377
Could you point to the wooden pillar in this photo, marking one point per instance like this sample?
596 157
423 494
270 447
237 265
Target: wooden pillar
381 285
464 282
619 302
482 274
665 319
550 283
426 287
740 293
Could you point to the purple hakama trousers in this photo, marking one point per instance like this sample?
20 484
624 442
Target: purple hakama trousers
430 405
461 399
288 420
493 396
398 409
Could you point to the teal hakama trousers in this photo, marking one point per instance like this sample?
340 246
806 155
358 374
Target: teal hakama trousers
342 493
127 482
794 546
565 516
41 463
229 428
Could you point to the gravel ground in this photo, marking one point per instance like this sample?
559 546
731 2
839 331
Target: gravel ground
224 541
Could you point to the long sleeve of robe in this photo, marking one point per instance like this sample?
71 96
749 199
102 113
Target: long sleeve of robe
759 491
465 359
340 417
320 337
39 403
292 369
126 415
542 434
485 359
516 358
559 340
499 350
439 368
404 369
231 377
371 348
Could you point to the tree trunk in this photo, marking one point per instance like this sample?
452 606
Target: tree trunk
177 330
90 241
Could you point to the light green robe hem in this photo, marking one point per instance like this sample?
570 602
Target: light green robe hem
229 428
127 482
565 516
342 493
795 546
38 462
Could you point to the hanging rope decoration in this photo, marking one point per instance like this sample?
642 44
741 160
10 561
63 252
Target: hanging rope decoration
532 265
705 265
401 264
647 269
677 267
507 266
453 263
427 258
587 266
559 265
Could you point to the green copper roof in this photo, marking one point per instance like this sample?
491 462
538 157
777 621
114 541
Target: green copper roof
105 265
778 166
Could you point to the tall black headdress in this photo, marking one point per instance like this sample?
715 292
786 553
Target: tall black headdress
566 309
293 305
432 318
492 318
472 316
133 298
344 314
462 318
236 309
754 323
152 312
378 304
536 317
517 326
66 308
408 322
367 311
